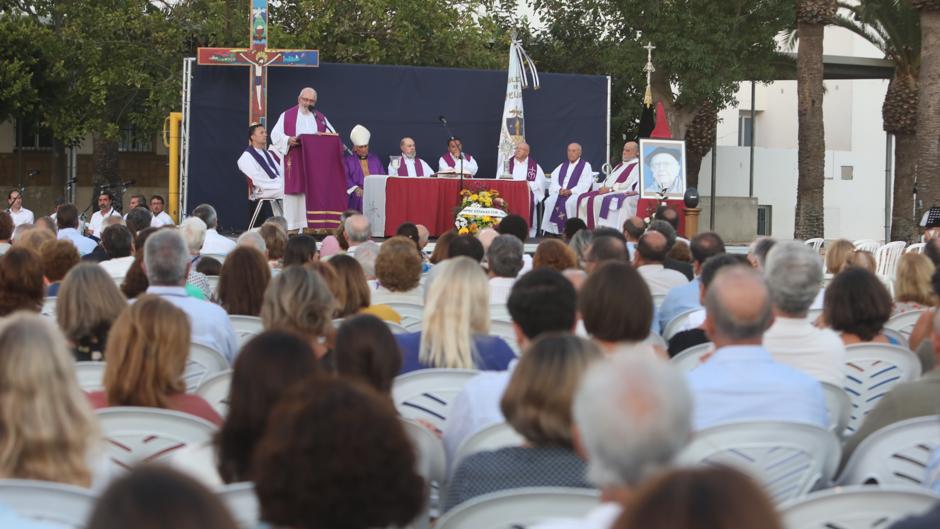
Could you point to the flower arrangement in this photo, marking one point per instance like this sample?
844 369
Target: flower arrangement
478 210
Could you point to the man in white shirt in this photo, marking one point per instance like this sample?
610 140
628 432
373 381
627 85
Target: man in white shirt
357 230
136 201
19 214
262 167
67 222
632 416
105 209
167 263
794 273
541 301
568 181
118 244
450 162
649 257
409 164
160 217
214 244
524 167
504 257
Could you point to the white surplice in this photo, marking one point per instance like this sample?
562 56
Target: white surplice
263 186
520 171
469 165
571 206
410 164
295 205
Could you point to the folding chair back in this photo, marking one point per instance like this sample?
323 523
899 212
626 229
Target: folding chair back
872 369
427 395
856 507
215 390
143 435
44 501
517 508
894 455
203 362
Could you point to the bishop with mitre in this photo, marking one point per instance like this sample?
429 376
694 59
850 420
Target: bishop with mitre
360 164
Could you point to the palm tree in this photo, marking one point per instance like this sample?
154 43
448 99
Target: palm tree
928 105
894 28
811 17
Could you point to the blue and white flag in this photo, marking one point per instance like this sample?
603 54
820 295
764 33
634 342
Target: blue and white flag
512 129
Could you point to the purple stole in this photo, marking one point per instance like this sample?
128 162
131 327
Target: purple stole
268 162
449 160
559 216
530 174
403 169
293 162
355 177
607 198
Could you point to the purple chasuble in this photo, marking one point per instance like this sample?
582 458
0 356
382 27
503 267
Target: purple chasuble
605 197
559 216
294 181
355 177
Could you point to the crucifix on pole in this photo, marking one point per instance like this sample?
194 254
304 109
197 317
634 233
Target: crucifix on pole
258 57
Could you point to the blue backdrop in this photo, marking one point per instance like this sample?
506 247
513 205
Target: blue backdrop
392 102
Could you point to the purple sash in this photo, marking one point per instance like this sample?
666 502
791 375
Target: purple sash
266 162
403 169
530 173
290 121
608 199
449 160
559 215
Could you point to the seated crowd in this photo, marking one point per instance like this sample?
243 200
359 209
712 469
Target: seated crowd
571 347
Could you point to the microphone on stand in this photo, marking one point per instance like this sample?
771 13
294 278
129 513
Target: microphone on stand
331 129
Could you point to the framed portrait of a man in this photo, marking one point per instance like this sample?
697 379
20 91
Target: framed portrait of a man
662 168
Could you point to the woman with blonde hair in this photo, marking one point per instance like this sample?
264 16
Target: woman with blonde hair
538 405
88 303
456 325
912 288
837 252
146 356
49 430
299 300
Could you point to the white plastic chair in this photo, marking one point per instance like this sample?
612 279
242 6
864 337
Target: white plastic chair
690 358
48 502
815 243
887 258
411 314
396 328
856 507
904 323
48 307
213 285
432 465
789 459
142 435
427 394
493 437
916 248
215 390
872 369
894 455
677 324
504 330
897 336
203 362
838 407
246 327
523 507
867 245
658 300
242 503
90 375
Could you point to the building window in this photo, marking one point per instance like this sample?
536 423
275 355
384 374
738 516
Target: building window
745 127
31 137
133 141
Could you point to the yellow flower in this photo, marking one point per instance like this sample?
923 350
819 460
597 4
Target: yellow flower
487 218
463 231
474 198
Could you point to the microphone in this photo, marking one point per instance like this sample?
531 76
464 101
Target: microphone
310 108
442 119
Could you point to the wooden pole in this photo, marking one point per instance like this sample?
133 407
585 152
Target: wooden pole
691 222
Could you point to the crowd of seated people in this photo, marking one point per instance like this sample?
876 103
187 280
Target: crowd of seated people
568 344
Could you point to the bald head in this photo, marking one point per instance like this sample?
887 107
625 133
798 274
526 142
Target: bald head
631 150
652 248
522 151
633 228
407 146
737 306
306 99
574 152
357 229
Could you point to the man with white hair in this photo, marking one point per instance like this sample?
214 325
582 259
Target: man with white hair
632 416
794 273
300 119
254 240
409 164
504 259
360 164
524 167
366 253
741 381
357 230
167 264
571 178
193 231
214 243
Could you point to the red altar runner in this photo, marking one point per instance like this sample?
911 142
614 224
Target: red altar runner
432 201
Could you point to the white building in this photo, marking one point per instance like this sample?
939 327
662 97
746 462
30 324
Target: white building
855 149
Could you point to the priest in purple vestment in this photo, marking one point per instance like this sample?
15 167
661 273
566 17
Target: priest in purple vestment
568 181
359 165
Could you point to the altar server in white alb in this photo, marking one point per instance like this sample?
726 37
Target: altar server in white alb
568 181
615 200
523 167
262 167
409 164
450 162
300 119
